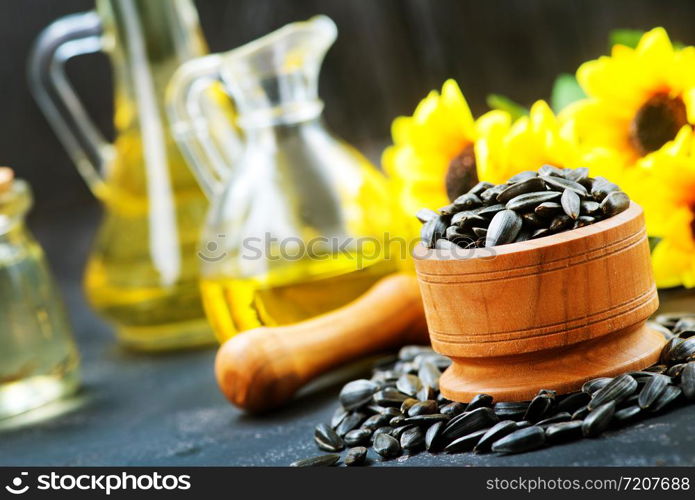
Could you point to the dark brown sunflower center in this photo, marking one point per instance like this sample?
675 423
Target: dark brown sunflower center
657 122
462 174
692 221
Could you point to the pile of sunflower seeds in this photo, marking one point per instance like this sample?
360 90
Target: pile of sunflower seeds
529 205
400 410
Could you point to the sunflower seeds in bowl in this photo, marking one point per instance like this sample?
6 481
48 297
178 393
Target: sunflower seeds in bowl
529 205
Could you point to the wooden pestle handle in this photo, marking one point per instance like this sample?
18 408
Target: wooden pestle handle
263 368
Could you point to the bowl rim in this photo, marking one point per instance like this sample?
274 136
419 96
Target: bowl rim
634 211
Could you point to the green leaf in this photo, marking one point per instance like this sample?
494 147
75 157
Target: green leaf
496 101
653 242
627 37
566 90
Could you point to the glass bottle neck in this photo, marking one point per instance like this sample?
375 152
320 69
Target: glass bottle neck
160 34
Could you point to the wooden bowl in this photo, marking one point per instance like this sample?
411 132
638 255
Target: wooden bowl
549 313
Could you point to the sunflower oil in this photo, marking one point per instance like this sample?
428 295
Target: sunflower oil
234 305
38 358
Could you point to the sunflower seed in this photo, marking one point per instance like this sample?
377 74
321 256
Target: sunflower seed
616 390
526 439
669 396
467 219
573 402
338 416
529 201
457 235
584 220
467 201
538 408
560 222
688 381
675 371
561 184
511 410
614 203
599 419
423 408
480 232
410 352
357 437
551 170
576 174
571 203
469 422
533 221
564 431
427 419
426 393
490 211
548 209
495 433
684 323
327 439
319 461
465 443
627 414
351 421
480 187
651 391
407 404
383 430
357 393
589 207
595 384
432 436
682 351
376 421
490 194
356 456
389 397
408 384
601 187
558 417
530 185
522 176
425 214
539 233
429 374
387 446
452 409
381 410
504 228
479 401
581 413
412 439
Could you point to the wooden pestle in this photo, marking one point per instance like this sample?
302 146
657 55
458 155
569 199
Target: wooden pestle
263 368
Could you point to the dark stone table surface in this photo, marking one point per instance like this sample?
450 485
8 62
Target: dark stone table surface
136 409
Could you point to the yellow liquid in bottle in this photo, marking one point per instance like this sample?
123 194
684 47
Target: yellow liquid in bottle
126 276
236 305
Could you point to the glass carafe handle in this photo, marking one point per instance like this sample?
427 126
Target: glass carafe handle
62 40
202 121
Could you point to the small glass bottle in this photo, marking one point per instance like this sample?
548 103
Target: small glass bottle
38 357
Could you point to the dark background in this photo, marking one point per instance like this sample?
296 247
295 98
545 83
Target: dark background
389 54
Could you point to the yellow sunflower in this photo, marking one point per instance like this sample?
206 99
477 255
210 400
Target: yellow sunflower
663 182
442 151
432 158
530 142
637 99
